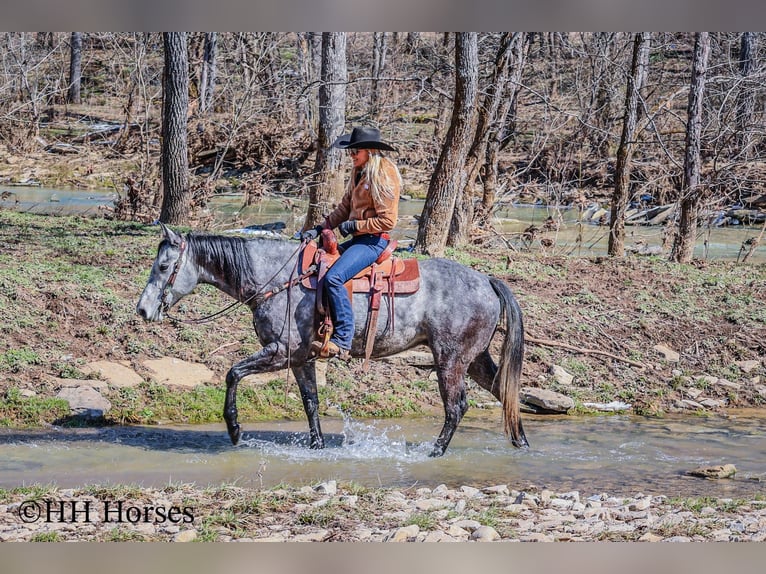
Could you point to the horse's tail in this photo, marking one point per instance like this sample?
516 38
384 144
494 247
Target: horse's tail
508 376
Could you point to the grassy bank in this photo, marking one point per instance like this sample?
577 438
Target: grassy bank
68 287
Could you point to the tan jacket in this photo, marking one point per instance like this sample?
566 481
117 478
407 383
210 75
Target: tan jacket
358 205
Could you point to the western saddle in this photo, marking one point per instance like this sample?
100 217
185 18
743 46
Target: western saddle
389 275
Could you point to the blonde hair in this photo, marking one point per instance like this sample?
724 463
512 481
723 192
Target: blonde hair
382 181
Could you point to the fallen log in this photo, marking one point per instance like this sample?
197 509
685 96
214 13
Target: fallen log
549 343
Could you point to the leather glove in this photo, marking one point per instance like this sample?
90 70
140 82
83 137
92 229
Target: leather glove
311 234
347 227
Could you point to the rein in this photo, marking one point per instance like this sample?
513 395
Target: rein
259 296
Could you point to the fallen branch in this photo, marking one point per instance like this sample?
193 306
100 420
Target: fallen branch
549 343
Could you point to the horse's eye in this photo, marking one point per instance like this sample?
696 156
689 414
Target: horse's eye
164 267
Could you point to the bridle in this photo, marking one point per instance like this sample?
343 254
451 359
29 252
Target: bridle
164 302
259 296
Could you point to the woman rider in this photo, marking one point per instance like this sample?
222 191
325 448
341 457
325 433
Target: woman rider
368 212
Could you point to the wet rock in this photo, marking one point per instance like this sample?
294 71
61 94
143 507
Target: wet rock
714 472
85 401
611 407
545 400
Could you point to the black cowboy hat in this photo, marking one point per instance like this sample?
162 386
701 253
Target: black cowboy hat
362 138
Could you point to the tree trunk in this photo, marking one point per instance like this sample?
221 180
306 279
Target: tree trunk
75 68
328 186
379 49
175 104
207 75
625 152
448 179
501 132
462 218
412 42
746 97
691 195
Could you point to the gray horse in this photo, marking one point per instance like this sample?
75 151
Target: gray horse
455 312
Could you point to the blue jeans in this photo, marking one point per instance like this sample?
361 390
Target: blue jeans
361 251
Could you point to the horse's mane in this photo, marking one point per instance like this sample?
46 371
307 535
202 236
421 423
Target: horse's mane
228 257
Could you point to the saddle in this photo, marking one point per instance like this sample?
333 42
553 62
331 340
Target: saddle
389 275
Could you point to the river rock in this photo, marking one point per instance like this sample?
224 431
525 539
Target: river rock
403 534
545 400
185 536
561 376
429 504
485 534
714 472
330 488
85 401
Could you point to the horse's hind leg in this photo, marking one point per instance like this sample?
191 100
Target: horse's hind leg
271 358
482 370
452 390
305 374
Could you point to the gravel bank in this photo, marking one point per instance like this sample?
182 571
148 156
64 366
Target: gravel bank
348 512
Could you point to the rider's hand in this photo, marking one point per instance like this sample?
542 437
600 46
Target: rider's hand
311 234
347 227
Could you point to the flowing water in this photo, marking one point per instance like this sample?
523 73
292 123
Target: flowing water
572 237
618 454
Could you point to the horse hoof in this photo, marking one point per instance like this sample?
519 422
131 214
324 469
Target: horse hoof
234 434
437 452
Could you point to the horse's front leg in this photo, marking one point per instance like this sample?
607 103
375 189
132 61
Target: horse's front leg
271 358
305 374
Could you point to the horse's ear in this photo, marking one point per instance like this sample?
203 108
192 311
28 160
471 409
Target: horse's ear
172 237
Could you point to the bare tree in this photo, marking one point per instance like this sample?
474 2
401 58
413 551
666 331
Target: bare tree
636 79
501 131
75 68
462 217
175 104
691 194
746 96
379 49
332 117
208 72
449 179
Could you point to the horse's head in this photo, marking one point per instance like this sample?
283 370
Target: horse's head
171 278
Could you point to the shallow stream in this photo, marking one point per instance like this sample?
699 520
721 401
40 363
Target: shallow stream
617 454
571 238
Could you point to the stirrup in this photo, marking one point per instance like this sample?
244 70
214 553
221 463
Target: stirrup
330 350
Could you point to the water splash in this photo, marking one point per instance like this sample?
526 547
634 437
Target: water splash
357 441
